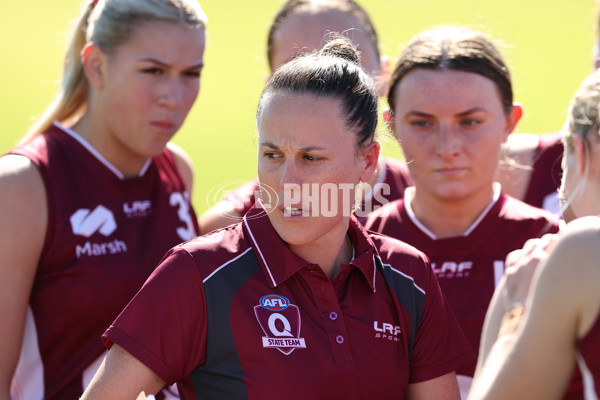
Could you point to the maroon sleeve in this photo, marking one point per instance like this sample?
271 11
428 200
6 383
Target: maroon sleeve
440 346
164 325
397 177
243 197
384 219
547 171
373 223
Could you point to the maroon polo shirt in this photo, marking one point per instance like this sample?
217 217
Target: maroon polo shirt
236 314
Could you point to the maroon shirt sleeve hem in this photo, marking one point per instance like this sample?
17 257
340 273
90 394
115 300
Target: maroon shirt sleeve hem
437 371
115 335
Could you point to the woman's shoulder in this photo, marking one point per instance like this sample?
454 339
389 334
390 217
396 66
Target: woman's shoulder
43 145
391 210
573 261
20 172
392 250
572 267
402 264
584 235
214 249
184 164
579 241
515 209
23 194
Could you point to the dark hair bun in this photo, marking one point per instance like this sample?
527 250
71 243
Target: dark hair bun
341 47
333 72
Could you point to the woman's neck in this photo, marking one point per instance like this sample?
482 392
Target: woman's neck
375 177
97 135
446 218
329 253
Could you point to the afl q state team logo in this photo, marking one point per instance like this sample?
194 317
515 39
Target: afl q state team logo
280 321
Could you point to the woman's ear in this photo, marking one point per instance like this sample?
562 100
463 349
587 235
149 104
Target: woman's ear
370 157
515 114
93 60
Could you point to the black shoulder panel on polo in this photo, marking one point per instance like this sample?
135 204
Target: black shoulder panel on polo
221 376
407 294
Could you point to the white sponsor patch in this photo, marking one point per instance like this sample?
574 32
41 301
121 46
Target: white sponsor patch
86 223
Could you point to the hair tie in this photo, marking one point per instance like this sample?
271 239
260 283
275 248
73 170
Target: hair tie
93 4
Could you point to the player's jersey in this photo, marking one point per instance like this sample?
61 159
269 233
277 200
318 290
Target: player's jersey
243 317
105 236
393 179
588 361
469 267
542 190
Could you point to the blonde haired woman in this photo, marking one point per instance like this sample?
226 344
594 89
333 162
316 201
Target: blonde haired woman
96 194
534 339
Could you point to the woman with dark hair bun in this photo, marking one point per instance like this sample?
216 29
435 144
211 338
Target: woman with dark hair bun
298 300
302 26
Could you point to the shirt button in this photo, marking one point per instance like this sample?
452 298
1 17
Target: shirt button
333 316
339 339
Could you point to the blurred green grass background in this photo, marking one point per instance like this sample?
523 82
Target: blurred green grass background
547 44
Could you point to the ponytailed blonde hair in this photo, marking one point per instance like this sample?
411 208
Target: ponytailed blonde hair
109 24
583 120
584 112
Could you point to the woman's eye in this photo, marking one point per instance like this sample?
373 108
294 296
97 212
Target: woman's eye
152 71
192 74
420 124
270 155
309 157
470 122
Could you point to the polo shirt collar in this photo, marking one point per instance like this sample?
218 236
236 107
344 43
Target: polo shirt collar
364 251
279 263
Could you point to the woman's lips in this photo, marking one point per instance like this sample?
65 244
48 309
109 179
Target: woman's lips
163 126
451 171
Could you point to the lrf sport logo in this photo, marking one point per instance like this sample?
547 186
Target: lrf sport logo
280 321
384 330
137 209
